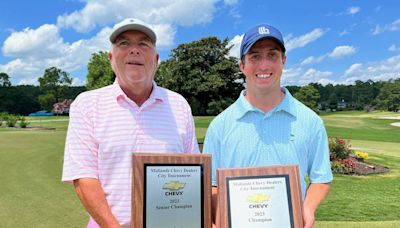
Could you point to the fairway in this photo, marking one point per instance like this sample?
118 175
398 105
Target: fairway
32 195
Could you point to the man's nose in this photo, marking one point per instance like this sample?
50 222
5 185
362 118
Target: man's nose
134 49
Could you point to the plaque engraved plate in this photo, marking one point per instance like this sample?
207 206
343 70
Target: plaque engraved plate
256 197
171 190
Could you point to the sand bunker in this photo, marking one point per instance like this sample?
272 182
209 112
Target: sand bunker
396 124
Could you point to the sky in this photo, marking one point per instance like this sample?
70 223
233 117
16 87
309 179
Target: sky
329 41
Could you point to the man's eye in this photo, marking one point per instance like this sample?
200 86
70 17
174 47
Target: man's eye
272 55
123 43
144 43
255 57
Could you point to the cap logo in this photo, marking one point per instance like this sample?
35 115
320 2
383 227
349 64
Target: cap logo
262 30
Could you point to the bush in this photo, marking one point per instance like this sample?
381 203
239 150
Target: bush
345 166
11 121
339 148
22 122
3 117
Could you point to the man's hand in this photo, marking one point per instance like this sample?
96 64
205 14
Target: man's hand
308 217
92 196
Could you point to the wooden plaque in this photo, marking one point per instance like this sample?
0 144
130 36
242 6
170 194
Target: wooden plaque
171 190
260 197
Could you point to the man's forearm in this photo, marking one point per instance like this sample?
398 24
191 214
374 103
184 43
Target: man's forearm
214 206
92 196
316 193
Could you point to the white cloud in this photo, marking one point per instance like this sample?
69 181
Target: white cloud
36 50
344 32
353 68
231 2
341 51
381 70
353 10
338 52
393 47
312 60
235 43
44 42
300 76
392 27
77 81
303 40
177 12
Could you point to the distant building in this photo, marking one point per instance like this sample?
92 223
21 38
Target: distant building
342 104
62 108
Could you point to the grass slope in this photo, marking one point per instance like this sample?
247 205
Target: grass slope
32 195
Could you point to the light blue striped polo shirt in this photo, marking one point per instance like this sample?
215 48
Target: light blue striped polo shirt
290 134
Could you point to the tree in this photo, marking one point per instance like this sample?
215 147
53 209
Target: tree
100 72
204 74
20 100
4 80
333 101
54 86
389 96
309 96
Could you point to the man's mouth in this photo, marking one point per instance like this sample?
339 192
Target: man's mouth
134 63
263 75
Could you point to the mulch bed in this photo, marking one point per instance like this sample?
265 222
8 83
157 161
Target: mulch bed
363 168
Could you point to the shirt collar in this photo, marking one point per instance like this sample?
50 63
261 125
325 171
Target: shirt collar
286 105
156 93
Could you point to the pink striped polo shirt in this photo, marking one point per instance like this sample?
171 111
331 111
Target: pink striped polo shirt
106 127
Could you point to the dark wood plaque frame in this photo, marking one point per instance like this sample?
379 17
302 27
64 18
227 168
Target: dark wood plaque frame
294 197
141 160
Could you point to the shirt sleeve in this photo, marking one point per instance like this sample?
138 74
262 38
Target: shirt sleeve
190 144
319 167
80 155
212 146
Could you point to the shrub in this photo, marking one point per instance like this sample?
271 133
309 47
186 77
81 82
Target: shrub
22 122
337 167
11 121
345 166
339 148
3 117
349 166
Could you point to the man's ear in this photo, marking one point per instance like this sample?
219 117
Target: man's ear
241 65
284 59
109 56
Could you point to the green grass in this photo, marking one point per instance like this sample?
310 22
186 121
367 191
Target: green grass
362 126
32 195
31 192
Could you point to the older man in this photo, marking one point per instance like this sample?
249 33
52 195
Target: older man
132 115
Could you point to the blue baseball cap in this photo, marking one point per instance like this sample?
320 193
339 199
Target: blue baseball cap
257 33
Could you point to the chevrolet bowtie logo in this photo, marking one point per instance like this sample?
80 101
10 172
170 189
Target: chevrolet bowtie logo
174 185
258 198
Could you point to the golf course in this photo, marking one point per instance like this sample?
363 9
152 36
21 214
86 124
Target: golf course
32 194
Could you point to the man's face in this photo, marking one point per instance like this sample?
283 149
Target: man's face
134 60
263 66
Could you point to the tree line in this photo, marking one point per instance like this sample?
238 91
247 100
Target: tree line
205 75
